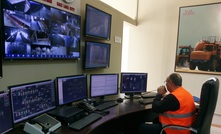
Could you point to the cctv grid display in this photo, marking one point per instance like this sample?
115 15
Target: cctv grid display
31 99
35 31
71 88
5 113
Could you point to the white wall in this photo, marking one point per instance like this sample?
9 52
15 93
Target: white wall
128 7
152 44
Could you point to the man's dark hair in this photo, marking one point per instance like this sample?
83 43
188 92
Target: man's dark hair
176 79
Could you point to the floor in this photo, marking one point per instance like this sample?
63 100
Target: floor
215 130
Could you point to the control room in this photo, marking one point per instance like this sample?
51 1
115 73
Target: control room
51 41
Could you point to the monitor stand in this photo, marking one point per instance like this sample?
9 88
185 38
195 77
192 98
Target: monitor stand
132 96
96 101
101 99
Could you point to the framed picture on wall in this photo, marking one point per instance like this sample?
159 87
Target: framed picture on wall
199 39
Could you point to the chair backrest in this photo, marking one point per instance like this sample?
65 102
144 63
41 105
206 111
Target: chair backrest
208 100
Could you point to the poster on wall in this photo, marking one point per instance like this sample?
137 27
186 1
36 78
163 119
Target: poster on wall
199 39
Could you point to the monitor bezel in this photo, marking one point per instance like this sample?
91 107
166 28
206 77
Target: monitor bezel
11 127
88 55
70 76
103 95
10 88
86 29
1 41
132 73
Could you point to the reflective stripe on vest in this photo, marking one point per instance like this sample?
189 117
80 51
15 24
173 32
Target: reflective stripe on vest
175 127
178 115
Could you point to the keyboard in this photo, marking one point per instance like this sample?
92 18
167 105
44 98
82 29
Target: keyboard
106 105
85 121
146 101
149 95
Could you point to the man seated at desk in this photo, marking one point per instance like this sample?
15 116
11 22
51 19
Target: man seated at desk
176 108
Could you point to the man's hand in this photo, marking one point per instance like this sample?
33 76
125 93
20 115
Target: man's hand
161 90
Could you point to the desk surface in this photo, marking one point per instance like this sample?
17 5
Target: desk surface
123 116
125 110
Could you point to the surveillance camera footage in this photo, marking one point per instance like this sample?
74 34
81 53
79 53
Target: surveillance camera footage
35 31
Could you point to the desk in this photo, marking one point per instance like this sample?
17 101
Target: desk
122 118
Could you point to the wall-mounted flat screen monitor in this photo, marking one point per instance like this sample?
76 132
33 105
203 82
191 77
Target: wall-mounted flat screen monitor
97 55
1 51
102 85
133 83
5 113
32 99
32 30
1 71
97 23
71 88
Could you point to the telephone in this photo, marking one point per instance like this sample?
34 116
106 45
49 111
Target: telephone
42 124
88 107
45 126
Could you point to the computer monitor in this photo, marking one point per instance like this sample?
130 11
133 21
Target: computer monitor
102 85
97 55
71 88
133 83
32 99
5 113
34 30
97 23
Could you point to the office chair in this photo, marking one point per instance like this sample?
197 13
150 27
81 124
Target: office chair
204 114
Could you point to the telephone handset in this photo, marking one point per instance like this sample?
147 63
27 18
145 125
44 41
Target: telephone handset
88 107
45 127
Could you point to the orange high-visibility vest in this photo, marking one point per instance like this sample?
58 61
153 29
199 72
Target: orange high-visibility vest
183 116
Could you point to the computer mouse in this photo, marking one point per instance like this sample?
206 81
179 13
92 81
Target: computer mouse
120 100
